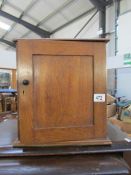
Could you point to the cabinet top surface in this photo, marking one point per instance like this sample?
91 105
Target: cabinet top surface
83 40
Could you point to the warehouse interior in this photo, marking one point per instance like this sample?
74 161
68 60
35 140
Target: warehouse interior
65 87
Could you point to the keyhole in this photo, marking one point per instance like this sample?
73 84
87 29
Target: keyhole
23 92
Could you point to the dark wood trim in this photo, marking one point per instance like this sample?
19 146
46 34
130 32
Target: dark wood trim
116 147
75 39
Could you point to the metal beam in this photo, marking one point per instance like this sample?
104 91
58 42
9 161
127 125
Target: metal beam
107 2
117 13
75 19
22 14
86 23
98 4
104 2
12 44
101 6
68 2
20 10
35 29
102 22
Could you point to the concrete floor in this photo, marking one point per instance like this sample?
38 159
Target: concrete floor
8 131
115 133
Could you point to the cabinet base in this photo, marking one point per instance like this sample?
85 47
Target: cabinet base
68 143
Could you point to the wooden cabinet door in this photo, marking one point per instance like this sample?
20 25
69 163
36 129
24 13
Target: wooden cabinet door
57 105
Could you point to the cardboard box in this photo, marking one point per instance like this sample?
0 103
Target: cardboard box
125 127
110 99
111 110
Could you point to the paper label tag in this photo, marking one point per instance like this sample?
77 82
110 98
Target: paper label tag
99 97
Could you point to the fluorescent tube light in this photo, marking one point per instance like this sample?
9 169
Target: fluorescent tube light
4 26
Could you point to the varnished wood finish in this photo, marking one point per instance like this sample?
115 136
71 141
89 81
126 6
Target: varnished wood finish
127 158
64 165
14 82
59 82
57 106
107 141
115 147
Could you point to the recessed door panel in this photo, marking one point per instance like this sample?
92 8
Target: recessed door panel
62 91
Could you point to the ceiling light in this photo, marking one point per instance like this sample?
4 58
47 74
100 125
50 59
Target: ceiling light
4 26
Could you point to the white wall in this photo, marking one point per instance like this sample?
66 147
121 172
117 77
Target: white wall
116 62
8 59
124 82
124 46
124 33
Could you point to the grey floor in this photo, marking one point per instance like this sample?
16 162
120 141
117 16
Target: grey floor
114 133
8 131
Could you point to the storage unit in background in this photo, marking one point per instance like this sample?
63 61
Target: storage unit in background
111 106
57 82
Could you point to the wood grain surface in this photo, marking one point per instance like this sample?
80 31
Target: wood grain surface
64 165
57 106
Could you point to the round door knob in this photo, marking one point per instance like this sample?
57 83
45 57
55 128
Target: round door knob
25 82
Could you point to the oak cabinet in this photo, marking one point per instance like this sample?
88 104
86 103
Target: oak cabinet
61 88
